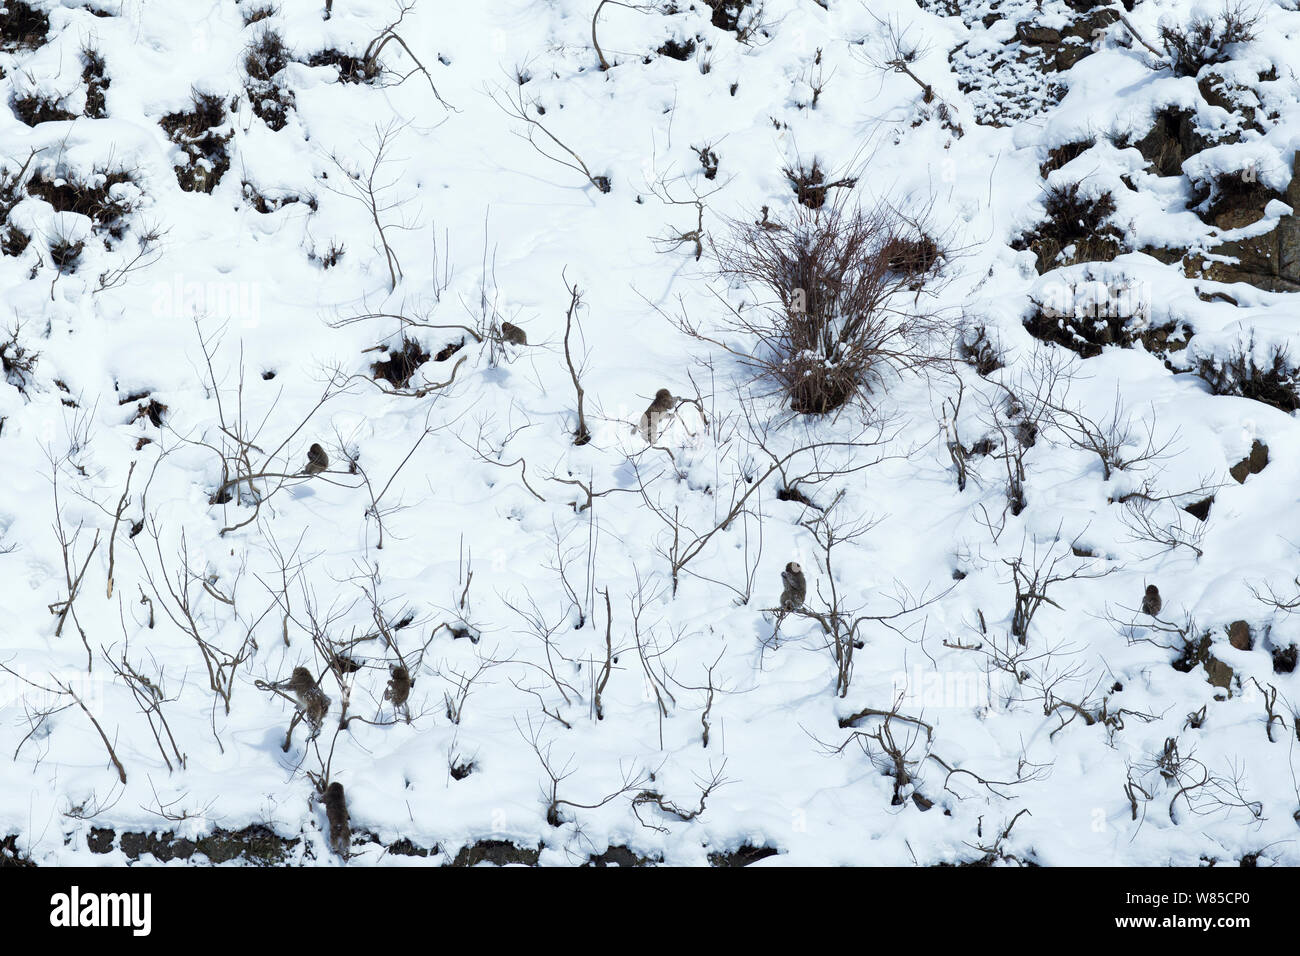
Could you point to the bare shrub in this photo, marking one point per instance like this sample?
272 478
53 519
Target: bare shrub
839 315
514 105
266 56
810 185
65 252
979 350
374 189
1204 40
1032 576
17 361
1113 439
844 625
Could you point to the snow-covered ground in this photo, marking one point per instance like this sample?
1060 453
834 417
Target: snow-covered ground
194 336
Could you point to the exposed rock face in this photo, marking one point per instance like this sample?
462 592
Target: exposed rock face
257 844
497 852
743 856
1271 261
1104 320
1064 48
1173 138
1199 652
1252 464
1232 200
1225 93
1239 636
1219 674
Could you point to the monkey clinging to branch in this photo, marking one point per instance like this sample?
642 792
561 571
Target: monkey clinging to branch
399 686
313 704
794 587
336 811
398 690
650 423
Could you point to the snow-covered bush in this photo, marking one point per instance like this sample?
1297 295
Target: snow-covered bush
844 306
1271 378
1204 40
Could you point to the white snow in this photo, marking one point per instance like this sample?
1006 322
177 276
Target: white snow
474 213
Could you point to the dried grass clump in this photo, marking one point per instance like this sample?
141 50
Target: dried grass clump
22 26
204 134
95 197
1076 229
1276 382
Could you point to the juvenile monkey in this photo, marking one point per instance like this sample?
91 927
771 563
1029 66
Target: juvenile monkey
513 334
336 811
313 705
795 587
1151 601
317 460
399 686
654 415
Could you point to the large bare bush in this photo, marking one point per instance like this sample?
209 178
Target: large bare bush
839 300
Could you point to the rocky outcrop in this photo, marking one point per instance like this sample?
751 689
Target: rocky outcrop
1062 48
1252 464
256 844
1172 139
1199 653
1270 261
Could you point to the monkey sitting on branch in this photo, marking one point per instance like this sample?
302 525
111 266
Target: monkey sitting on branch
652 420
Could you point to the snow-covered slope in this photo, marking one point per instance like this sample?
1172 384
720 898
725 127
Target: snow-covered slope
385 208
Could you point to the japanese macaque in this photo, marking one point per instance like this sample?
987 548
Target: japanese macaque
317 460
654 415
399 686
313 705
1151 601
513 334
795 587
336 811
